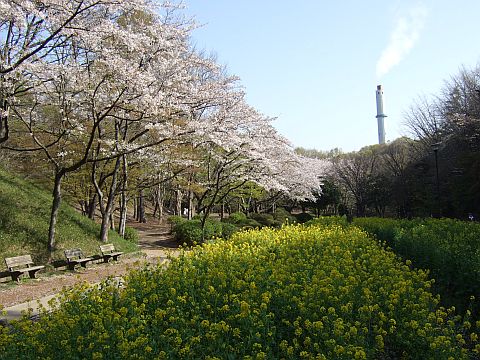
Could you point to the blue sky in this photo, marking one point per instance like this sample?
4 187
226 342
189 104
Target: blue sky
315 64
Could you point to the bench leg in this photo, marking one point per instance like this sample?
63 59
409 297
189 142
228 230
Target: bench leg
71 266
115 258
32 274
16 277
106 258
84 265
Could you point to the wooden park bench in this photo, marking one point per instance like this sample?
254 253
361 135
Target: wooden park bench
108 251
76 257
21 264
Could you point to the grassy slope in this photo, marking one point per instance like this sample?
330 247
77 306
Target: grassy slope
24 221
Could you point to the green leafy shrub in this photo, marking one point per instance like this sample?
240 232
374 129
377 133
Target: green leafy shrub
282 216
328 221
228 230
303 217
190 232
240 220
131 235
213 229
236 218
250 224
264 219
295 293
175 220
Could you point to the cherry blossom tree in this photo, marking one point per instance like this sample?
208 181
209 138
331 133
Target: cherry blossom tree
32 31
105 78
240 146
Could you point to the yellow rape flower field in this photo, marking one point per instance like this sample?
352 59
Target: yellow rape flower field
294 293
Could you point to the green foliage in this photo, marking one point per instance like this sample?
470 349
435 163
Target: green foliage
328 220
190 232
131 235
303 217
450 249
250 224
212 229
283 216
228 230
175 220
24 220
299 292
236 217
240 220
265 219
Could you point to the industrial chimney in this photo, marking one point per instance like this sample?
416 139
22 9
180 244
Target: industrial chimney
380 115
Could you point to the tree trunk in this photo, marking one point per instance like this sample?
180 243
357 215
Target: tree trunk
84 207
4 132
178 207
108 210
123 200
141 208
160 202
57 198
135 208
122 221
92 205
190 205
98 187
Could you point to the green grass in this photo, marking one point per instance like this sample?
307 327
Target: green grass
24 220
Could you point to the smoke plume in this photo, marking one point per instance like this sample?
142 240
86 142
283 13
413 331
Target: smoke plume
403 38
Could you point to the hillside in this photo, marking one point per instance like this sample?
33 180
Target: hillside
24 221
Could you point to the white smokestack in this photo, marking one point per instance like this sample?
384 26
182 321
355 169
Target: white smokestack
380 115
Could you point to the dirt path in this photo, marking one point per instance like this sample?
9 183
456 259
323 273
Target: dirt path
156 244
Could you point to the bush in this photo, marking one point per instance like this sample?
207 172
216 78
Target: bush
240 220
131 235
228 230
190 232
328 221
236 218
250 224
213 229
282 216
264 219
175 220
300 292
303 217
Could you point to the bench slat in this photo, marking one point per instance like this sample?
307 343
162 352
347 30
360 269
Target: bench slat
107 248
73 253
18 261
33 268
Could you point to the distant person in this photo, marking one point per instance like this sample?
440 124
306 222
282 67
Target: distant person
471 217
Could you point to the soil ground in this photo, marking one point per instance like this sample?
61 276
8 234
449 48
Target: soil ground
155 242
